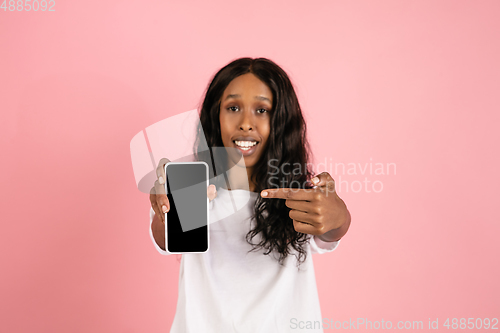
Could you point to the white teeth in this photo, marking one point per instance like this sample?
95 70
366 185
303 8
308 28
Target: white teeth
245 144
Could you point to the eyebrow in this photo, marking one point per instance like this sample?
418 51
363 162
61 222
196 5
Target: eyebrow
260 98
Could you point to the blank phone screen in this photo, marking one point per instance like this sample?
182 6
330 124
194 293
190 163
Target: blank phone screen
187 219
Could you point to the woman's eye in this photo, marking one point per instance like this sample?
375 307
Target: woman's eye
233 108
261 110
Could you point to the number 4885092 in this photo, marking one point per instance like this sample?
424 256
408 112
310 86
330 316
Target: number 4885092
28 5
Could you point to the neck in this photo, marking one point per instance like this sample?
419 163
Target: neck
240 178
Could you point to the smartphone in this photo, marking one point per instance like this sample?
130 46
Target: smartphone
187 220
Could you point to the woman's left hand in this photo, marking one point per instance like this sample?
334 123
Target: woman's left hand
316 211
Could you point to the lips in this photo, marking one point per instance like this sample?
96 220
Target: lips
246 144
245 138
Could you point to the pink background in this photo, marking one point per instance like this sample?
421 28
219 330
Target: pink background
414 83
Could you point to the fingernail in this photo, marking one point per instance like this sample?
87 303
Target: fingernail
160 180
164 208
315 180
264 194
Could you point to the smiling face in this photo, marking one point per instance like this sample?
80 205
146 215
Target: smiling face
245 117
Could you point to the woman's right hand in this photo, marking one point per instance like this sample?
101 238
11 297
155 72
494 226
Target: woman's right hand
158 197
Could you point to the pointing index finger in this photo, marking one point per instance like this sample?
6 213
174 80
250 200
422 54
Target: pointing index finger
288 193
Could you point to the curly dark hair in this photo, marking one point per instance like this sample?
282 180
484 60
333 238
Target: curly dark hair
287 145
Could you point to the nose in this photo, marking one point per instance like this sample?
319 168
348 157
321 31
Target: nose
247 121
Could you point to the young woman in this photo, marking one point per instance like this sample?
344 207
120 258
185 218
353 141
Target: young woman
258 275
